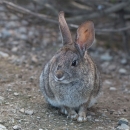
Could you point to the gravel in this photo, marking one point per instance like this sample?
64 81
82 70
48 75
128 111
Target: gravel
16 127
22 110
106 57
123 124
123 127
122 71
3 54
1 99
123 61
112 89
29 112
123 121
2 127
16 94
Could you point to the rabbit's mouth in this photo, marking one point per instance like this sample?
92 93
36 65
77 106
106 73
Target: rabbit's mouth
61 80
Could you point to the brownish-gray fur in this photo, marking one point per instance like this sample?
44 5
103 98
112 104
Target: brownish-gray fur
71 80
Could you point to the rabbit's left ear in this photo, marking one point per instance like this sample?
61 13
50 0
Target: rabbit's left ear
85 36
65 32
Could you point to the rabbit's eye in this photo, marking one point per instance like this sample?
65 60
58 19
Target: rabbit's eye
74 63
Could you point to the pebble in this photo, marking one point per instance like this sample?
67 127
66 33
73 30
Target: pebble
12 24
122 71
105 65
123 61
31 78
112 89
29 112
107 82
106 57
2 127
22 110
34 59
100 128
89 118
112 67
23 37
16 127
123 121
1 99
97 120
5 33
16 94
3 54
123 127
22 30
14 49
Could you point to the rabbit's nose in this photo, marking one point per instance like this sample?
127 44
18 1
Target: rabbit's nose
59 74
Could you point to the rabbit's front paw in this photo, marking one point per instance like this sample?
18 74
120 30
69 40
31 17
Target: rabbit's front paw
82 117
72 114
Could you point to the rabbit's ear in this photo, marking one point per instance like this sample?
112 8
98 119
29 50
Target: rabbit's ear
65 32
85 36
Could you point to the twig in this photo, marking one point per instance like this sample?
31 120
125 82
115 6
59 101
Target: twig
26 11
50 19
113 30
107 11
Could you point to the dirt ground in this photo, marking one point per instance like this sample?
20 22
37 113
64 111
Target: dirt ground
24 106
24 49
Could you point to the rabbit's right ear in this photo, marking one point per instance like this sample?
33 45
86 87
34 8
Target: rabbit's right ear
85 36
65 32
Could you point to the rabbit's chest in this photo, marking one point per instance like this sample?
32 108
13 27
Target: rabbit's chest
71 95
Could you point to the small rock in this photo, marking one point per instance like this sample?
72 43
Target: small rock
22 110
112 89
40 129
12 24
105 65
3 54
34 59
2 8
14 49
92 114
111 67
123 61
16 127
23 37
107 82
122 71
31 78
2 127
29 112
123 127
22 30
123 121
96 120
24 22
5 33
104 115
16 94
106 57
1 99
89 118
100 128
19 76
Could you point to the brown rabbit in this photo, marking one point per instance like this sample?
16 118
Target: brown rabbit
70 80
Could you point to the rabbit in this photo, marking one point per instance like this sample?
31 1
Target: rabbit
70 81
